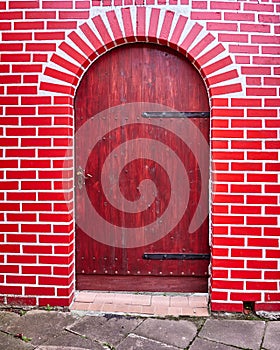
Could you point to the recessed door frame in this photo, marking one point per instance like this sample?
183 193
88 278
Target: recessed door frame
79 170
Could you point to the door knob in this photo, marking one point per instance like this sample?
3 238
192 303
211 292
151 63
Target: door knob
81 177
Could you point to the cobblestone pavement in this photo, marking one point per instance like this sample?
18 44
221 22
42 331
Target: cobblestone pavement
57 330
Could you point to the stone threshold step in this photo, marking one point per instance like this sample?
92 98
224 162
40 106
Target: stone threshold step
145 304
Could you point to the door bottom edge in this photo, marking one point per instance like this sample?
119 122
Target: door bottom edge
142 283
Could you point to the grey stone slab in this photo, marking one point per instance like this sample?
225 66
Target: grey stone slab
104 330
171 332
7 319
240 333
70 340
41 325
8 342
272 336
134 342
203 344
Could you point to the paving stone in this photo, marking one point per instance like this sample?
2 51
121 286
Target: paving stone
198 300
179 301
201 312
161 310
240 333
85 297
203 344
41 325
106 330
160 300
8 342
80 306
272 336
142 299
134 342
7 319
122 298
171 332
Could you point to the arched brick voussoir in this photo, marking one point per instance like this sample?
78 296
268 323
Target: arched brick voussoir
153 25
177 32
209 55
225 89
83 46
127 23
190 38
97 45
222 77
199 47
57 88
217 65
166 27
66 64
102 30
141 14
59 75
97 26
115 27
70 51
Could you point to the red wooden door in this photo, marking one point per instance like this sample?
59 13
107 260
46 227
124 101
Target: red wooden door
141 183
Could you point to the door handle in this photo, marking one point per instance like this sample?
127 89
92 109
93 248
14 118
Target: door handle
81 177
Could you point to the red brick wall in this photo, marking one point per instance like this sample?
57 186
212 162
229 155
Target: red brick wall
46 46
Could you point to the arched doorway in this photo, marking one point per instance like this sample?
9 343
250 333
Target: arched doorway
142 134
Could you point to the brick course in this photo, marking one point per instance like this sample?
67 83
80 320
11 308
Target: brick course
46 46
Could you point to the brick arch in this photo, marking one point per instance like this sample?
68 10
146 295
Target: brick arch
119 26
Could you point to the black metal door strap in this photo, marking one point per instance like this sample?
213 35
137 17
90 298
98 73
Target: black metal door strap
176 114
